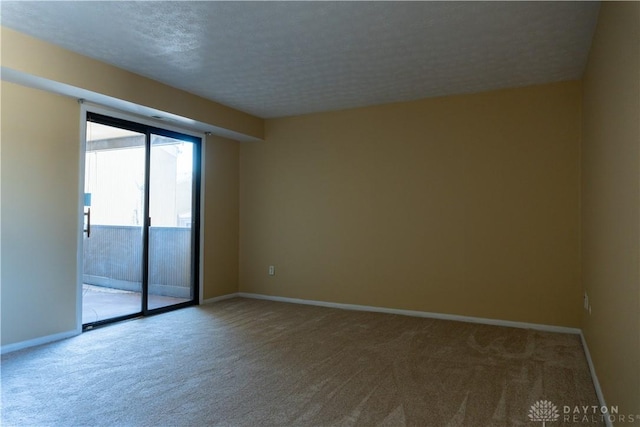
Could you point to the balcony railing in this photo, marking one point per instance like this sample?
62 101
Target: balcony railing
113 259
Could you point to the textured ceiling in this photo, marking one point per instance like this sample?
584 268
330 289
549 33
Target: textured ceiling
276 59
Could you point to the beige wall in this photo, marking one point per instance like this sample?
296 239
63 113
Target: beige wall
465 205
611 203
40 184
221 217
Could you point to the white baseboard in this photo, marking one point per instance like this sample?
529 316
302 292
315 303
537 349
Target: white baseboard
414 313
594 378
38 341
220 298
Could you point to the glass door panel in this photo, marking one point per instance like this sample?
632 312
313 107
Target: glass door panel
114 223
171 203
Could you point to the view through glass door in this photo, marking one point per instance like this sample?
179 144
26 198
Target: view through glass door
171 215
141 220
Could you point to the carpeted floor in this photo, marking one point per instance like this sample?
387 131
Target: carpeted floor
247 362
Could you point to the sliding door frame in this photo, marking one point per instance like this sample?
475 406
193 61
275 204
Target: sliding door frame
148 127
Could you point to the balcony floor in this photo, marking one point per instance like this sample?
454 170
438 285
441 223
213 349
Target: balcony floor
100 303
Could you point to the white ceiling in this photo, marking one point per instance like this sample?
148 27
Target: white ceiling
275 59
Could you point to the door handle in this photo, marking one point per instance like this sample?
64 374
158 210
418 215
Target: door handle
88 229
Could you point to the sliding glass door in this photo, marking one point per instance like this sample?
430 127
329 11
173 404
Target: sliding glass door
114 212
141 220
171 207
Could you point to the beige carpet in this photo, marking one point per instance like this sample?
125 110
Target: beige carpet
256 363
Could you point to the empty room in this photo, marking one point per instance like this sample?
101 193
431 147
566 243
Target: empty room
320 213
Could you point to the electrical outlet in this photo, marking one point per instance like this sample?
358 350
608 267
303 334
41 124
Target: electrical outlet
586 302
272 270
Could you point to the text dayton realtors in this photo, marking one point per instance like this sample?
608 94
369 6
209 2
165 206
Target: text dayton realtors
583 414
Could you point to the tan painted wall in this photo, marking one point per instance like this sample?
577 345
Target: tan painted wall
35 57
611 203
40 154
221 220
464 205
